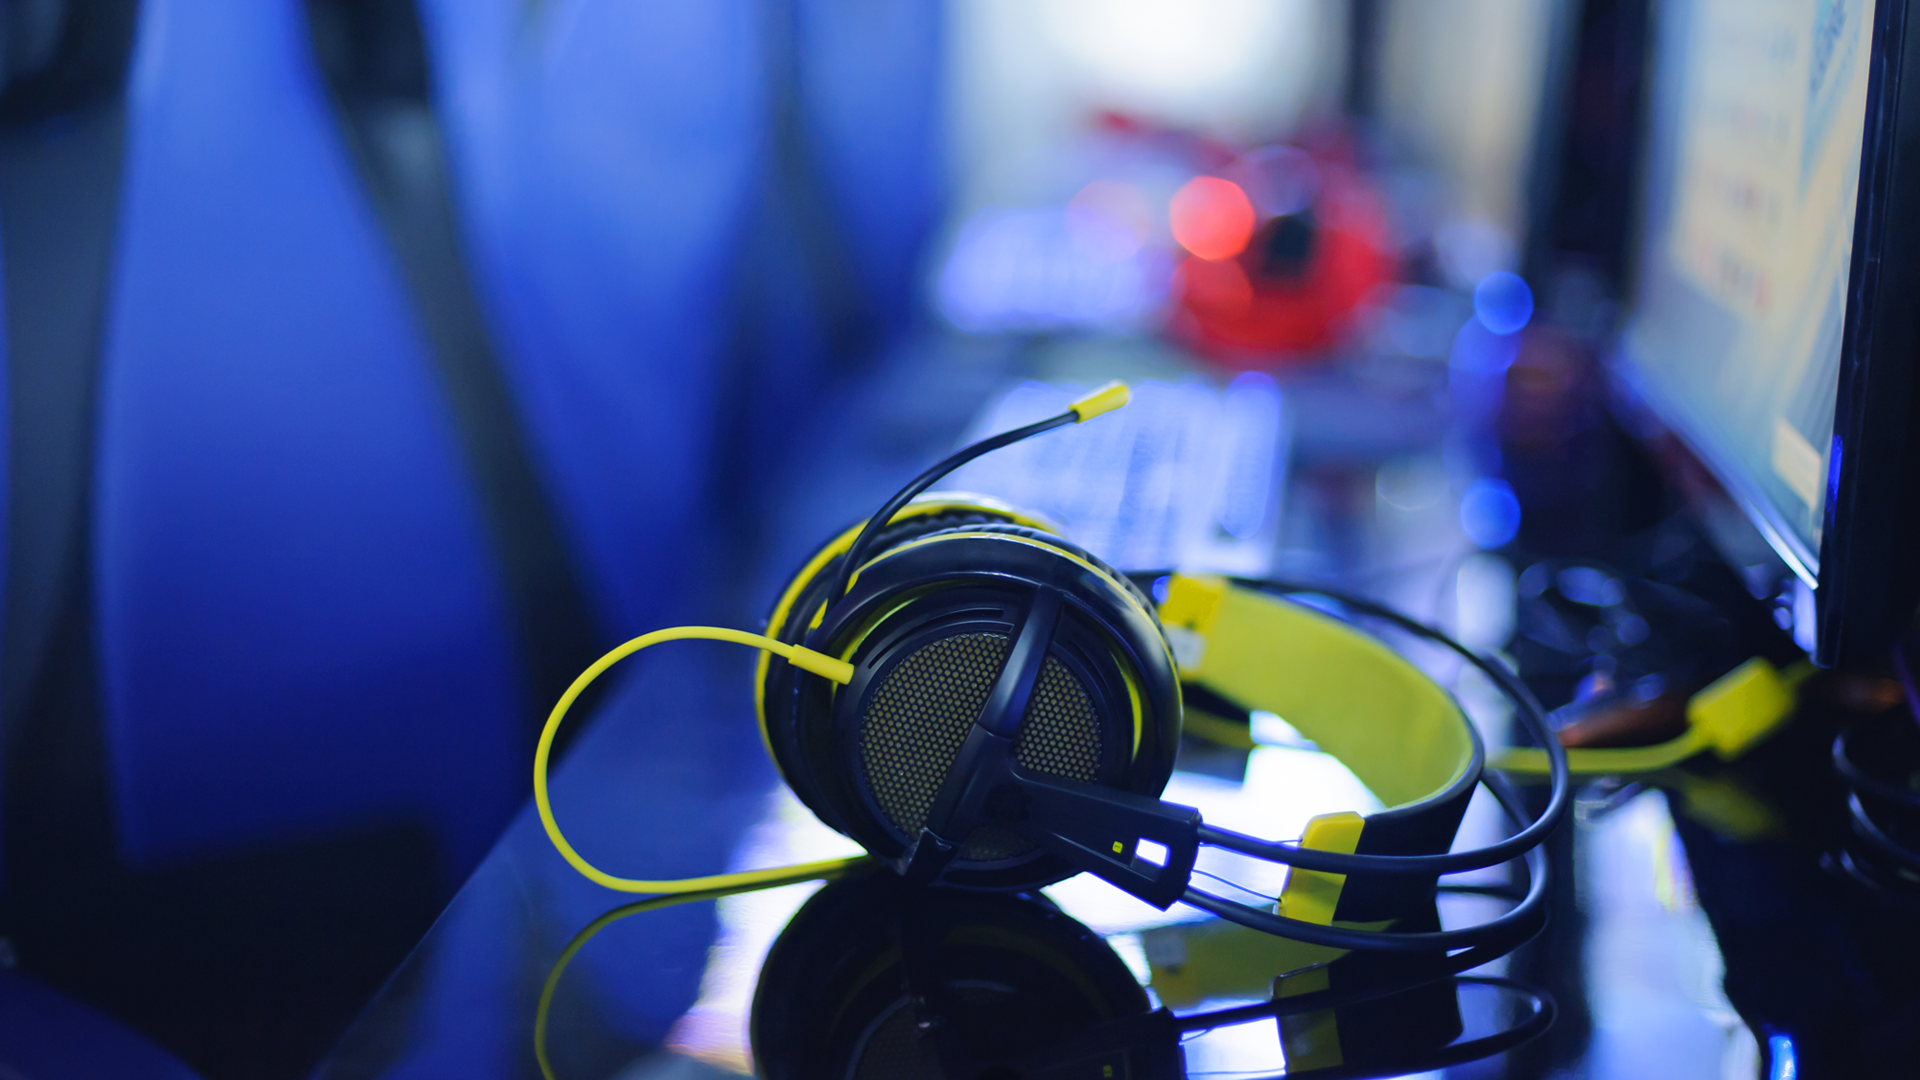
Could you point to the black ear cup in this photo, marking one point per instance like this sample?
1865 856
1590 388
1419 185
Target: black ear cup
931 671
808 588
875 979
928 626
780 688
1061 542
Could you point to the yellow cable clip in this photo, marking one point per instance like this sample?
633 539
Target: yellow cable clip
1728 717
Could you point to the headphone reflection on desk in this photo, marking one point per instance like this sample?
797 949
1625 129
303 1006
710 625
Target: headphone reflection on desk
981 703
874 977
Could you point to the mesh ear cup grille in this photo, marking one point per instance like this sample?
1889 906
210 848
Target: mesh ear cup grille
896 1049
917 718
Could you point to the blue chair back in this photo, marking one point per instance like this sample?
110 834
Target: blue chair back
298 621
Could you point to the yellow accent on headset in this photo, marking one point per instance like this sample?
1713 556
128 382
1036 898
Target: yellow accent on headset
1127 676
1313 895
1192 962
930 503
800 656
1310 1041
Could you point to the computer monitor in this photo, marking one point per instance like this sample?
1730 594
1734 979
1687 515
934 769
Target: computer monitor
1776 288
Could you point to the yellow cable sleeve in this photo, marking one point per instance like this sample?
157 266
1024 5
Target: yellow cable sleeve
819 663
544 1009
1597 762
1104 400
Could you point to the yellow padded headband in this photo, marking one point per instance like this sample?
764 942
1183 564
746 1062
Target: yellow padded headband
1398 732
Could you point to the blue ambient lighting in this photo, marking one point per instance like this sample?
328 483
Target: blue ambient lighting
1780 1048
1503 302
1489 513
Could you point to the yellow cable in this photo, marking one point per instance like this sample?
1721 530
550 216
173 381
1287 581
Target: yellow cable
819 663
544 1009
1595 762
1729 716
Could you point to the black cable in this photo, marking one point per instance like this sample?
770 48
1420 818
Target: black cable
1148 1028
1234 884
1892 863
1499 892
1857 777
1544 1010
1336 999
1873 878
1522 920
1496 890
857 552
1876 836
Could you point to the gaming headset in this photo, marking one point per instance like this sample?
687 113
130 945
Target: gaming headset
981 703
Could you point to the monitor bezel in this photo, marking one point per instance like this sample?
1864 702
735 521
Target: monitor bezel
1866 573
1869 582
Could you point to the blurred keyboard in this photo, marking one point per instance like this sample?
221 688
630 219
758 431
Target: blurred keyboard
1188 475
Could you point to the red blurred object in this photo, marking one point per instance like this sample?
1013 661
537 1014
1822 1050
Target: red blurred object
1211 217
1291 292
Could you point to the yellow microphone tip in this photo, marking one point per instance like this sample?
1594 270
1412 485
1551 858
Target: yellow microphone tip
1104 400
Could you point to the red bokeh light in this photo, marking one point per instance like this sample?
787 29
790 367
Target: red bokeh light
1212 217
1242 314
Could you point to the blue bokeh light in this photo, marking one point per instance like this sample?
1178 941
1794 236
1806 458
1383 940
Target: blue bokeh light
1489 513
1786 1065
1479 351
1503 302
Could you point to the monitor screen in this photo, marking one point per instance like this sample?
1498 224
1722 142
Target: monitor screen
1756 112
